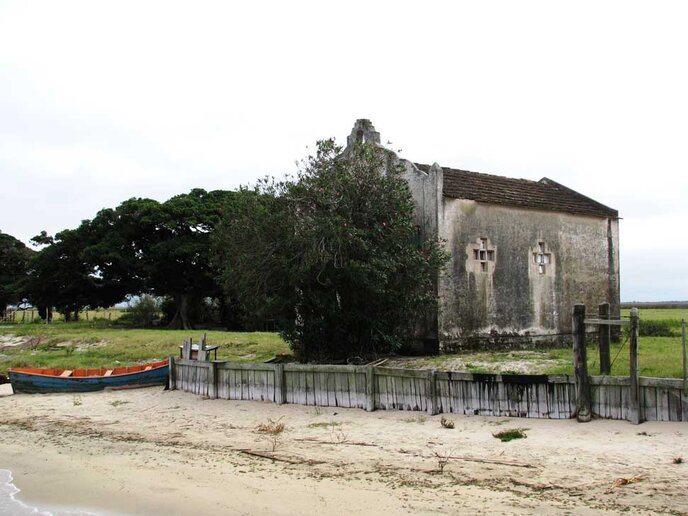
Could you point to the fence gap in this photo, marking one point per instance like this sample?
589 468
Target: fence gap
603 332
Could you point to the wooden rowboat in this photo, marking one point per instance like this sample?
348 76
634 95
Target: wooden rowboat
34 380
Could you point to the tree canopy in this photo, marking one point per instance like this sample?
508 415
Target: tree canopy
140 247
14 265
332 255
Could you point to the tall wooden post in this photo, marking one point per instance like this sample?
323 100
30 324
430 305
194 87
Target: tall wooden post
603 336
634 394
186 349
212 380
202 354
171 378
431 390
280 394
370 388
685 360
580 364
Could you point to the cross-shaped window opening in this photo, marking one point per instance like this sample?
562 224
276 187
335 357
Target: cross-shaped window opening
483 255
542 258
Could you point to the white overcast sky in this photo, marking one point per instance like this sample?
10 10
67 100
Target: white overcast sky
102 101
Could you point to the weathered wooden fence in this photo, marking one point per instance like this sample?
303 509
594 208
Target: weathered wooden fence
371 388
632 398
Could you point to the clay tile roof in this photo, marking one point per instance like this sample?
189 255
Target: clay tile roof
541 195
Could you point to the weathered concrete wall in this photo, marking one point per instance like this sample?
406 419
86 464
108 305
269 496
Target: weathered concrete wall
426 190
515 274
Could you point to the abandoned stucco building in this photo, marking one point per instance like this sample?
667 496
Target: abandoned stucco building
522 253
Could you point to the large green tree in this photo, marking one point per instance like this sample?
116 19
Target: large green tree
332 255
161 249
61 277
14 266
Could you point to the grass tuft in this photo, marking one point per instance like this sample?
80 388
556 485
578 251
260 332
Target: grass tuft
511 434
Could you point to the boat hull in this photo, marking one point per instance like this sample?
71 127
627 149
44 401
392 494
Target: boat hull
31 383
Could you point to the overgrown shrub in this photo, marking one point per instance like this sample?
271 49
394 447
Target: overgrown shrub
143 312
659 328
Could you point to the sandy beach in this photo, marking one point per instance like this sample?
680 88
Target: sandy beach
150 451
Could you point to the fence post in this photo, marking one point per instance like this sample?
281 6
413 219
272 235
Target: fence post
279 384
431 389
603 332
186 349
370 388
212 380
171 377
634 398
685 360
580 364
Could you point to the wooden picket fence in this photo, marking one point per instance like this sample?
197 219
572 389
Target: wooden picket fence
381 388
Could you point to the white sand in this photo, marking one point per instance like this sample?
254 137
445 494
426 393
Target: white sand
148 451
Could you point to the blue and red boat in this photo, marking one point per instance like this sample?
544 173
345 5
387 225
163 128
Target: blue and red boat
35 380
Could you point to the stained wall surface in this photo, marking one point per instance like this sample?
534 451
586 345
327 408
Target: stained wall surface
515 274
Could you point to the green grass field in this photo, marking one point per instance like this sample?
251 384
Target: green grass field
659 314
100 343
97 344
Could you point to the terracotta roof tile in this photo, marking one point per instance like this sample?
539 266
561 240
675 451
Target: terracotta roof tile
542 195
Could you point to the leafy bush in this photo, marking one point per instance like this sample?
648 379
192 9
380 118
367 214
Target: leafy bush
333 256
143 312
659 328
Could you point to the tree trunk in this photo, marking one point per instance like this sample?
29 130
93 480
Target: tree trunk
45 312
181 321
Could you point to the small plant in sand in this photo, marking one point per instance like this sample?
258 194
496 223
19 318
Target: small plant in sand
117 403
337 435
677 460
76 400
447 423
272 431
442 457
511 434
416 419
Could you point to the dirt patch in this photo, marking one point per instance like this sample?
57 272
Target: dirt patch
514 362
8 342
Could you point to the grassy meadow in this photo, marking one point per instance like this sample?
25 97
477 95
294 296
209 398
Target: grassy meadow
100 341
99 344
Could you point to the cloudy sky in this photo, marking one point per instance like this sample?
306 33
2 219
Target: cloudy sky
102 101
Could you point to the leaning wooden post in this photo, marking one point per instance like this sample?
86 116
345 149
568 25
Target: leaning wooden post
603 332
685 360
171 378
370 388
431 389
280 394
634 397
580 364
